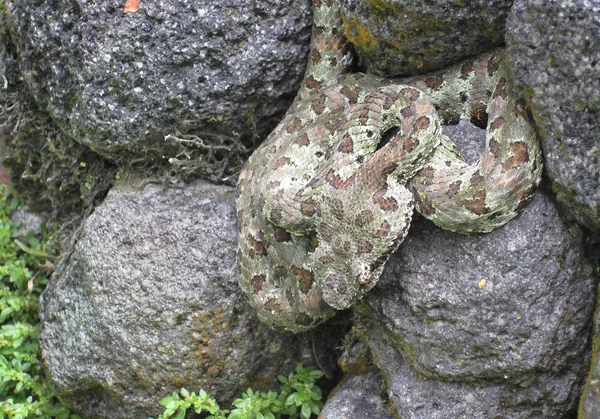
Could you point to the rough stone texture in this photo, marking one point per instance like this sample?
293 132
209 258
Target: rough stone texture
419 397
120 82
589 408
469 139
149 302
403 37
555 52
357 398
508 312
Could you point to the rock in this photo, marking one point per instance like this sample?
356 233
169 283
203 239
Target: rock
148 302
492 325
419 397
357 398
554 50
589 408
122 82
403 37
30 221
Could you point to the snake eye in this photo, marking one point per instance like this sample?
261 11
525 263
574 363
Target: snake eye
319 154
365 275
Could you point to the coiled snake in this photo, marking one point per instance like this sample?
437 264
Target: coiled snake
329 195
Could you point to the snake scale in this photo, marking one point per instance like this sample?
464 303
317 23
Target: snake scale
329 195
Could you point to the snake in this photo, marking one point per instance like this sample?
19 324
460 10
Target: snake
330 194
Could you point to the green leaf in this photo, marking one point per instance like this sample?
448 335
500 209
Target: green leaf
291 399
165 401
306 411
184 392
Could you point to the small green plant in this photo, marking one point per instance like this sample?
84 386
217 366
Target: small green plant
299 397
24 270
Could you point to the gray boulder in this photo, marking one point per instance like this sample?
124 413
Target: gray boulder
492 325
148 302
403 37
554 50
177 80
358 397
589 408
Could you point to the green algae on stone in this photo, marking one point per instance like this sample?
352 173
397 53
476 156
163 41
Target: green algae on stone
398 37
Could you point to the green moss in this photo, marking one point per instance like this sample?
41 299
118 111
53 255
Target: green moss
24 269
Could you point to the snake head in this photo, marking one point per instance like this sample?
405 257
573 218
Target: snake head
365 273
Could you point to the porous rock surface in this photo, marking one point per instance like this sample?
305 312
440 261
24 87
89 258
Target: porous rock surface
554 50
357 398
148 302
492 325
590 404
404 37
120 82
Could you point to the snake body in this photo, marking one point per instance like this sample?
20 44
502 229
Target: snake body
329 195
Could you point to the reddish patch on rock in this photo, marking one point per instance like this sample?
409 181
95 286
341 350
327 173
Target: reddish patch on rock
281 235
384 230
422 122
364 246
386 204
337 182
364 218
257 282
477 205
434 82
274 184
304 277
496 123
519 156
347 145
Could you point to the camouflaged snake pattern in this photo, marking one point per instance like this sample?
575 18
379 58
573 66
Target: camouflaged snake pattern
329 195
